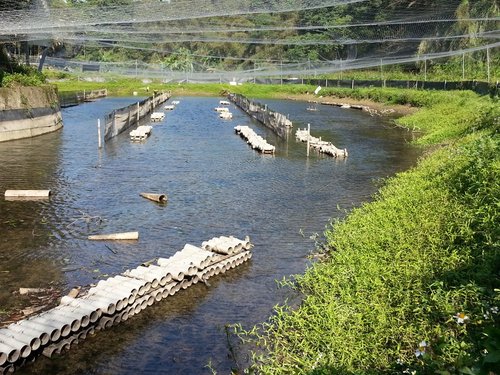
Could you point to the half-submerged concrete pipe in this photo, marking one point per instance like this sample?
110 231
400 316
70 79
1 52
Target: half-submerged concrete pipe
115 300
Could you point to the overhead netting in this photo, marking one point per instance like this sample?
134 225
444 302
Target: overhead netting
197 38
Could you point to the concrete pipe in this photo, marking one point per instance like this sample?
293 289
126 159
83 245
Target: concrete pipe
51 319
175 289
176 272
198 255
154 274
195 279
188 267
125 236
30 332
158 295
33 340
141 304
121 299
53 332
71 312
7 369
235 243
141 275
107 306
159 272
116 288
225 247
117 319
142 286
105 322
75 322
51 350
93 312
160 198
23 347
247 245
130 311
8 354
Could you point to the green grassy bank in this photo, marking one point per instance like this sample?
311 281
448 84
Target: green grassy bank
411 282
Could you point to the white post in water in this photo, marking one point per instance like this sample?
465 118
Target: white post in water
99 132
138 113
308 137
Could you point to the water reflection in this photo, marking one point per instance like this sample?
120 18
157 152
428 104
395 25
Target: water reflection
216 185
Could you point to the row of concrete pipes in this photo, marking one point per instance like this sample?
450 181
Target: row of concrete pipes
324 147
116 299
255 141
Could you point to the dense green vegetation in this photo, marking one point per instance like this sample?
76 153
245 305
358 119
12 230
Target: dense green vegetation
13 73
411 282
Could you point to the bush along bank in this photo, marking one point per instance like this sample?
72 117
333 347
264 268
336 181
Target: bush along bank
411 283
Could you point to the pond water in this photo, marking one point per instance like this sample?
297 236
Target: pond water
216 186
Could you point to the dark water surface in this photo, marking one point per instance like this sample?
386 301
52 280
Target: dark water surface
216 186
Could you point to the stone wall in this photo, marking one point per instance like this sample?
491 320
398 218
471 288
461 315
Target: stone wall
28 112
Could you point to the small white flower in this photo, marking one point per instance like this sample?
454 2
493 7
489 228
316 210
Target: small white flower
461 318
494 309
421 349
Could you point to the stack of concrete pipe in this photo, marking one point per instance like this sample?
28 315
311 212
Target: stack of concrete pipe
116 299
255 141
322 146
141 133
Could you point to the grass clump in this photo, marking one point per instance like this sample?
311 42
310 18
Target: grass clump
412 283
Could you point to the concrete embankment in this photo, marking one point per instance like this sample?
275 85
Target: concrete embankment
28 112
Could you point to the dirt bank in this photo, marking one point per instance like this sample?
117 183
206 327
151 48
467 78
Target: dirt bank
367 105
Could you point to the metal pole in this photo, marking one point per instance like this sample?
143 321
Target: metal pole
488 63
281 72
381 73
99 132
308 137
463 66
425 69
138 113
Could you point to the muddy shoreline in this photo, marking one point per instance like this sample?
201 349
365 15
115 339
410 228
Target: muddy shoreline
374 108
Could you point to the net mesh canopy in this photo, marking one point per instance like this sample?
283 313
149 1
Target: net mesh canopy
247 38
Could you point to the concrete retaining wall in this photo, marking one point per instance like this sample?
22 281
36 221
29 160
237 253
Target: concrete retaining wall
28 112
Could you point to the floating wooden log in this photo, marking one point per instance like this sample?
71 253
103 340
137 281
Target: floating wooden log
161 198
27 194
115 236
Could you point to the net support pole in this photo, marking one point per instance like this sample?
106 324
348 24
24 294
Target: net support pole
138 113
463 66
425 69
488 64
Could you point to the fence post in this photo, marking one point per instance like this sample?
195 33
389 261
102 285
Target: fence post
352 85
138 113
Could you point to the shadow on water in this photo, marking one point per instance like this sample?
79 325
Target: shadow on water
216 186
